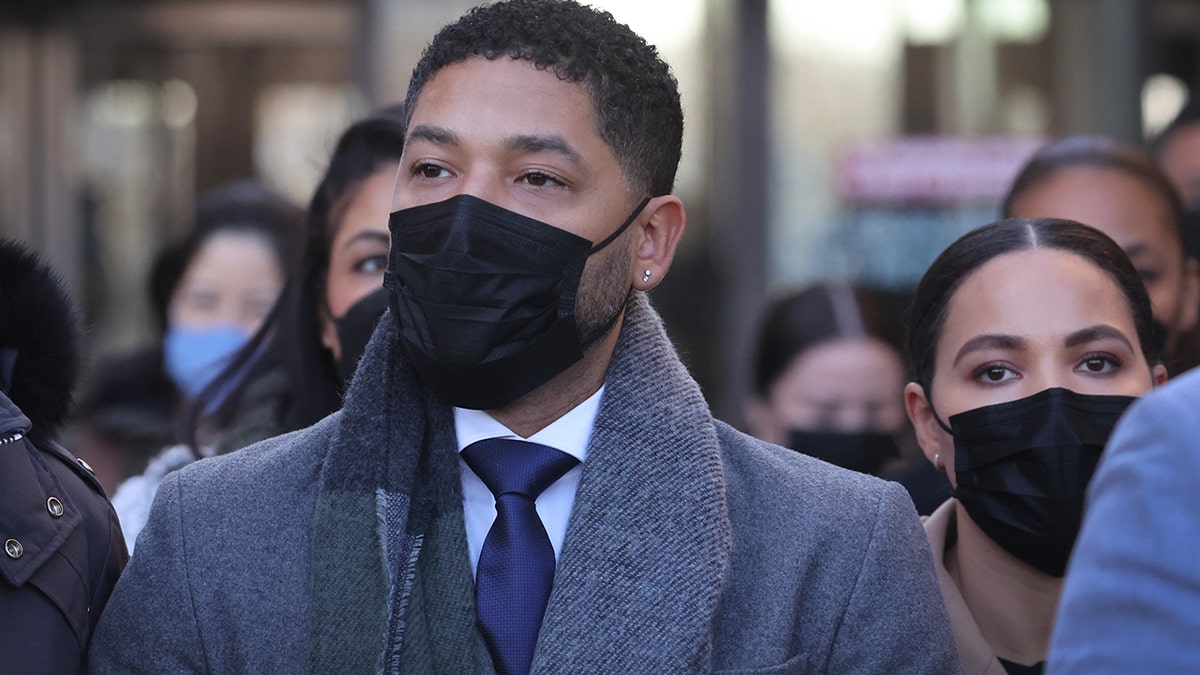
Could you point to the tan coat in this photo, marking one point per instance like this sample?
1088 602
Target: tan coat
976 654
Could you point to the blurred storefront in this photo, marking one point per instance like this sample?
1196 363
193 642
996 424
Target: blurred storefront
821 143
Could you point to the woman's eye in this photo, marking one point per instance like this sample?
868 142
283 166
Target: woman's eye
373 265
1099 364
201 299
1149 276
992 374
258 310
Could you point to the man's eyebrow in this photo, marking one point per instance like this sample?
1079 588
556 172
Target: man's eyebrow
990 341
1097 332
438 135
547 143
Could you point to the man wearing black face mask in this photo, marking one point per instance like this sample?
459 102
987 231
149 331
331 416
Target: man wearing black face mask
524 477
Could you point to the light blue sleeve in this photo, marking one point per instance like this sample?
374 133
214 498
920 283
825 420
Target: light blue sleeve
1131 601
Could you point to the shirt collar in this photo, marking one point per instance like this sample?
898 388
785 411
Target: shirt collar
569 433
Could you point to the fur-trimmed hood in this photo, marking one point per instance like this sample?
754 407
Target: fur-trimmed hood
39 339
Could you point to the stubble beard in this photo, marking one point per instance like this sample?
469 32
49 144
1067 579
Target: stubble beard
603 294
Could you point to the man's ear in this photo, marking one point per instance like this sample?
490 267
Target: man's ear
655 239
930 435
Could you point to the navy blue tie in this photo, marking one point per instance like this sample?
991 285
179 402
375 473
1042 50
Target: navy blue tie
516 564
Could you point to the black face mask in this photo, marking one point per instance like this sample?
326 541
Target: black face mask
484 298
1023 468
864 452
354 330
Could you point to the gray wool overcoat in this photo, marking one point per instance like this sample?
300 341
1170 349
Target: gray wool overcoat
691 548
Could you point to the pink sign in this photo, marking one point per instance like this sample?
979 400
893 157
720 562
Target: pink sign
932 169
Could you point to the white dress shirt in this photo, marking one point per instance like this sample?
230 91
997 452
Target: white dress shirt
569 433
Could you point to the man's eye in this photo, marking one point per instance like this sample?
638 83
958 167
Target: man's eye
430 171
539 179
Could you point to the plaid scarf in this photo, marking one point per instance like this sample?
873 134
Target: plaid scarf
642 566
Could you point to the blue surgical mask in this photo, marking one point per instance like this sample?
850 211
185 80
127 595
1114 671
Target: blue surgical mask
193 358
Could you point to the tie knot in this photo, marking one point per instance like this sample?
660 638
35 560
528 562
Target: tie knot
509 466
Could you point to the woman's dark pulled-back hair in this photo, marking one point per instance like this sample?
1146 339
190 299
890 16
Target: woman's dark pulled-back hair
964 257
1097 152
633 92
800 321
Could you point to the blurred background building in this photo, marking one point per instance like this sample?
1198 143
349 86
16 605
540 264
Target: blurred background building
825 140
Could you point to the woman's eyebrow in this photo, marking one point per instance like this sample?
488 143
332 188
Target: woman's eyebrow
1097 332
989 341
367 235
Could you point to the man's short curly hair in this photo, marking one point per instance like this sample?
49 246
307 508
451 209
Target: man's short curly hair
633 92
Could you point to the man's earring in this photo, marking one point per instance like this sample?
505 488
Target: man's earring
646 276
937 461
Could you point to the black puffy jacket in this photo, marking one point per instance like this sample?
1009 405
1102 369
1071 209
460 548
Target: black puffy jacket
62 552
61 548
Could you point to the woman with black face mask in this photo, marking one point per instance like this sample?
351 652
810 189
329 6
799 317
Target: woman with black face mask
295 368
828 382
1028 339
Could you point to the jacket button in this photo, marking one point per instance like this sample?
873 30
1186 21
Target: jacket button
55 507
14 549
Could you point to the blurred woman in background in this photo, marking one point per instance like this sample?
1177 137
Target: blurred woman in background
827 381
1028 340
209 291
294 369
1121 191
